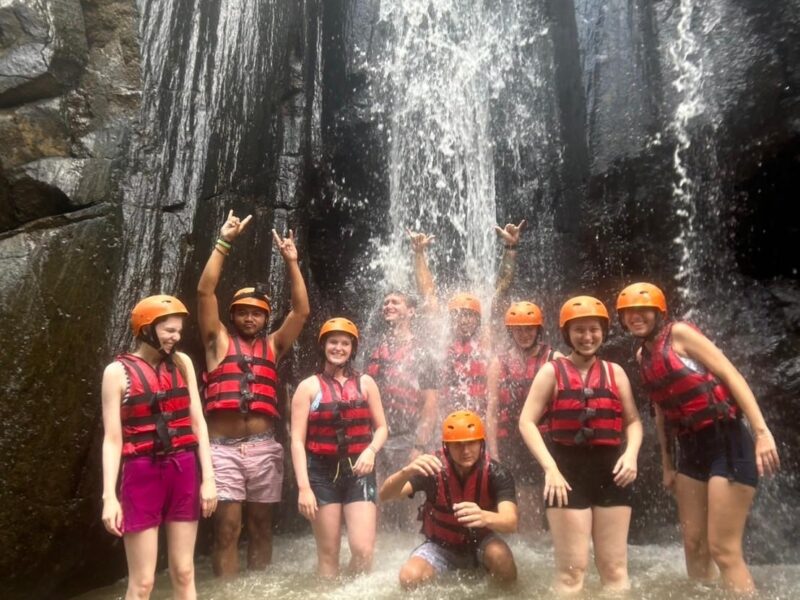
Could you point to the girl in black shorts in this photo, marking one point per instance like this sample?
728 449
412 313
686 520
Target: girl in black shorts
699 398
338 427
595 435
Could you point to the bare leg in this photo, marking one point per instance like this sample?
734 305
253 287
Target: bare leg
360 518
572 530
181 537
141 551
692 497
415 572
729 504
610 534
327 528
259 534
227 526
499 561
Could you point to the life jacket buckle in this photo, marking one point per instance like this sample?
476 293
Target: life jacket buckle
588 413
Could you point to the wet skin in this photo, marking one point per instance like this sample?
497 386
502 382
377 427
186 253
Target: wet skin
248 320
525 337
395 309
338 348
464 454
464 323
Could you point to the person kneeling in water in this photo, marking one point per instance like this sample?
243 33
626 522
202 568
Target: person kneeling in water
469 498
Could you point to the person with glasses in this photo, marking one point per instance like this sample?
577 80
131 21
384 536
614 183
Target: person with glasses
591 459
700 398
242 402
338 427
154 429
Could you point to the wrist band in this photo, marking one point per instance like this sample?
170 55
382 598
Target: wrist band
375 452
221 250
227 245
510 247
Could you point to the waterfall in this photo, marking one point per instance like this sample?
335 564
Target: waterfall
445 65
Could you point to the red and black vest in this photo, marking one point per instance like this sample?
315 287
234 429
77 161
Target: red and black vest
245 380
689 400
464 381
439 523
155 412
339 420
516 376
585 412
394 371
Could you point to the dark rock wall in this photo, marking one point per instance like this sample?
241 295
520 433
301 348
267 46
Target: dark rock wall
129 128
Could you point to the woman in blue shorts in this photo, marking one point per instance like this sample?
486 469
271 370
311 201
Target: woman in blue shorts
154 428
699 398
338 427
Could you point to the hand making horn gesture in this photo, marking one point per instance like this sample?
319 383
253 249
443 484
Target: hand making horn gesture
285 245
233 226
419 241
510 233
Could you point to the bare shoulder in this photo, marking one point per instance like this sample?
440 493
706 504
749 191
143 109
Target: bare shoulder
114 370
309 385
558 354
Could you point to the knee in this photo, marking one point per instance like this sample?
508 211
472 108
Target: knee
499 561
412 575
695 543
260 524
613 572
570 576
141 586
725 553
226 532
183 576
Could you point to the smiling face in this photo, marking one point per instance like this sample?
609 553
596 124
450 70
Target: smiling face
248 320
168 332
524 336
465 454
640 321
396 310
585 335
338 348
464 322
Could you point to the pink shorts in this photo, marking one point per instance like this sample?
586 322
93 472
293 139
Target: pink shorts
158 489
250 470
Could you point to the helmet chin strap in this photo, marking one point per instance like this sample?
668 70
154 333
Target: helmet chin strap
148 337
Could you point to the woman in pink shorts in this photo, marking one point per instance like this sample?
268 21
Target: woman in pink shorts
154 427
338 427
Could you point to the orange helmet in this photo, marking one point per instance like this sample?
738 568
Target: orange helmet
464 301
521 314
251 296
340 325
644 295
582 306
153 308
462 426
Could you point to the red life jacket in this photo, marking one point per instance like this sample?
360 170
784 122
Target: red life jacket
516 377
155 411
689 400
439 523
465 377
585 412
393 369
245 380
340 422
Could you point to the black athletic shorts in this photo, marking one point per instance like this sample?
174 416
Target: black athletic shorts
333 482
726 450
588 470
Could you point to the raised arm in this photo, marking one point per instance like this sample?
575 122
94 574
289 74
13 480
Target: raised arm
422 272
293 324
509 235
692 343
212 330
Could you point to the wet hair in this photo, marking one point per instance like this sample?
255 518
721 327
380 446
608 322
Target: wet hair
409 299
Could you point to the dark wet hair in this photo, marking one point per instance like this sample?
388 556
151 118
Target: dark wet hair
409 298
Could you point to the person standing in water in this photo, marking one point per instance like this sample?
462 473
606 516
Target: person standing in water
509 379
405 376
153 425
469 498
595 435
338 428
241 400
466 361
699 398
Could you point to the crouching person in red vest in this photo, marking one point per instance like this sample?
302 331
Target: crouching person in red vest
469 498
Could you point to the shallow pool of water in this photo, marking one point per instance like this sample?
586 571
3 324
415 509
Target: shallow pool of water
657 572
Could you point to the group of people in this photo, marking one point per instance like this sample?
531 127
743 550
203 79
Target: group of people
466 430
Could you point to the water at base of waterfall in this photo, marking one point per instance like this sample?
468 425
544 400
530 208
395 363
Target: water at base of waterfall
656 572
